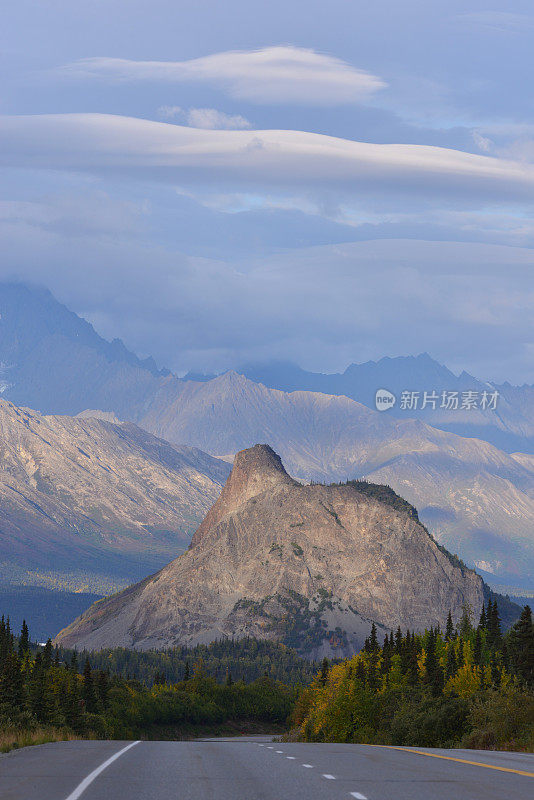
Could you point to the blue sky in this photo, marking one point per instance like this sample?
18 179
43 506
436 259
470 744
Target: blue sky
326 182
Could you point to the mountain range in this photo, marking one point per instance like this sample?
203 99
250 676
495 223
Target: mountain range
95 503
509 426
311 566
477 499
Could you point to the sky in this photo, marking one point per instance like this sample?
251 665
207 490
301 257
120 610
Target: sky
219 183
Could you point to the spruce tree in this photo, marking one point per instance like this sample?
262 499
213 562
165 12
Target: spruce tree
24 640
373 639
477 649
88 691
449 629
493 623
47 654
521 647
102 688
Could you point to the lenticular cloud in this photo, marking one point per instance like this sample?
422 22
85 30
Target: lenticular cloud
273 75
282 158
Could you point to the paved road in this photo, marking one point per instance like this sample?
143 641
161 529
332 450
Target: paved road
259 769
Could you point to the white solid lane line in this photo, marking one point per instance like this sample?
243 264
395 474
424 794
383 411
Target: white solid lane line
308 766
358 796
96 772
329 777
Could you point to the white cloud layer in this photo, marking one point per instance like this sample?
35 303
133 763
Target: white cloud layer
209 118
273 75
281 158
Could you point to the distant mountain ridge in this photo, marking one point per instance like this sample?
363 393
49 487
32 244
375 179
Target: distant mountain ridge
310 566
477 499
509 427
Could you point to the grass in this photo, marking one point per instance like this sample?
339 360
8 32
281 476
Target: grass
14 738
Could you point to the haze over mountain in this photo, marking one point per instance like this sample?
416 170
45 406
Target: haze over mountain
310 566
478 500
89 501
509 426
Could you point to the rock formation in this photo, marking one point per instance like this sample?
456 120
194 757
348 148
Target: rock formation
308 565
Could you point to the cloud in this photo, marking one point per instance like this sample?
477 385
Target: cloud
209 118
321 306
284 159
273 75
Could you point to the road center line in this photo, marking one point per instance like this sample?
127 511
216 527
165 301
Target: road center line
291 758
329 777
96 772
452 758
358 796
279 751
308 766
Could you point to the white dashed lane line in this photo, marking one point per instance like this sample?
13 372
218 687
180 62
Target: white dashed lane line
356 795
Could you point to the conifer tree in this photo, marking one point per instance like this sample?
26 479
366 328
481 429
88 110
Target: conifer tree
102 688
482 620
47 654
24 640
373 639
521 647
88 691
449 629
494 625
477 649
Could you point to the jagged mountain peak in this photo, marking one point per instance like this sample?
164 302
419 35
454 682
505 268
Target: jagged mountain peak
255 470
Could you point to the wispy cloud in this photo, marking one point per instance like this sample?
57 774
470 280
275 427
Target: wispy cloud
282 158
209 118
273 75
500 21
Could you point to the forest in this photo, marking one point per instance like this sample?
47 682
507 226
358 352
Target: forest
470 685
47 694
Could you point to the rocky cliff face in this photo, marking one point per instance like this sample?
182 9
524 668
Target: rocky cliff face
88 495
310 566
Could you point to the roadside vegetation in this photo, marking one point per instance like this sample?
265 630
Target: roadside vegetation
464 687
48 695
469 686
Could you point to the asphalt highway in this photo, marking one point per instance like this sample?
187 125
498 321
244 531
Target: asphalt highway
257 768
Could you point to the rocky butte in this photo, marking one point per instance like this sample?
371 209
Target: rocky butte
308 565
